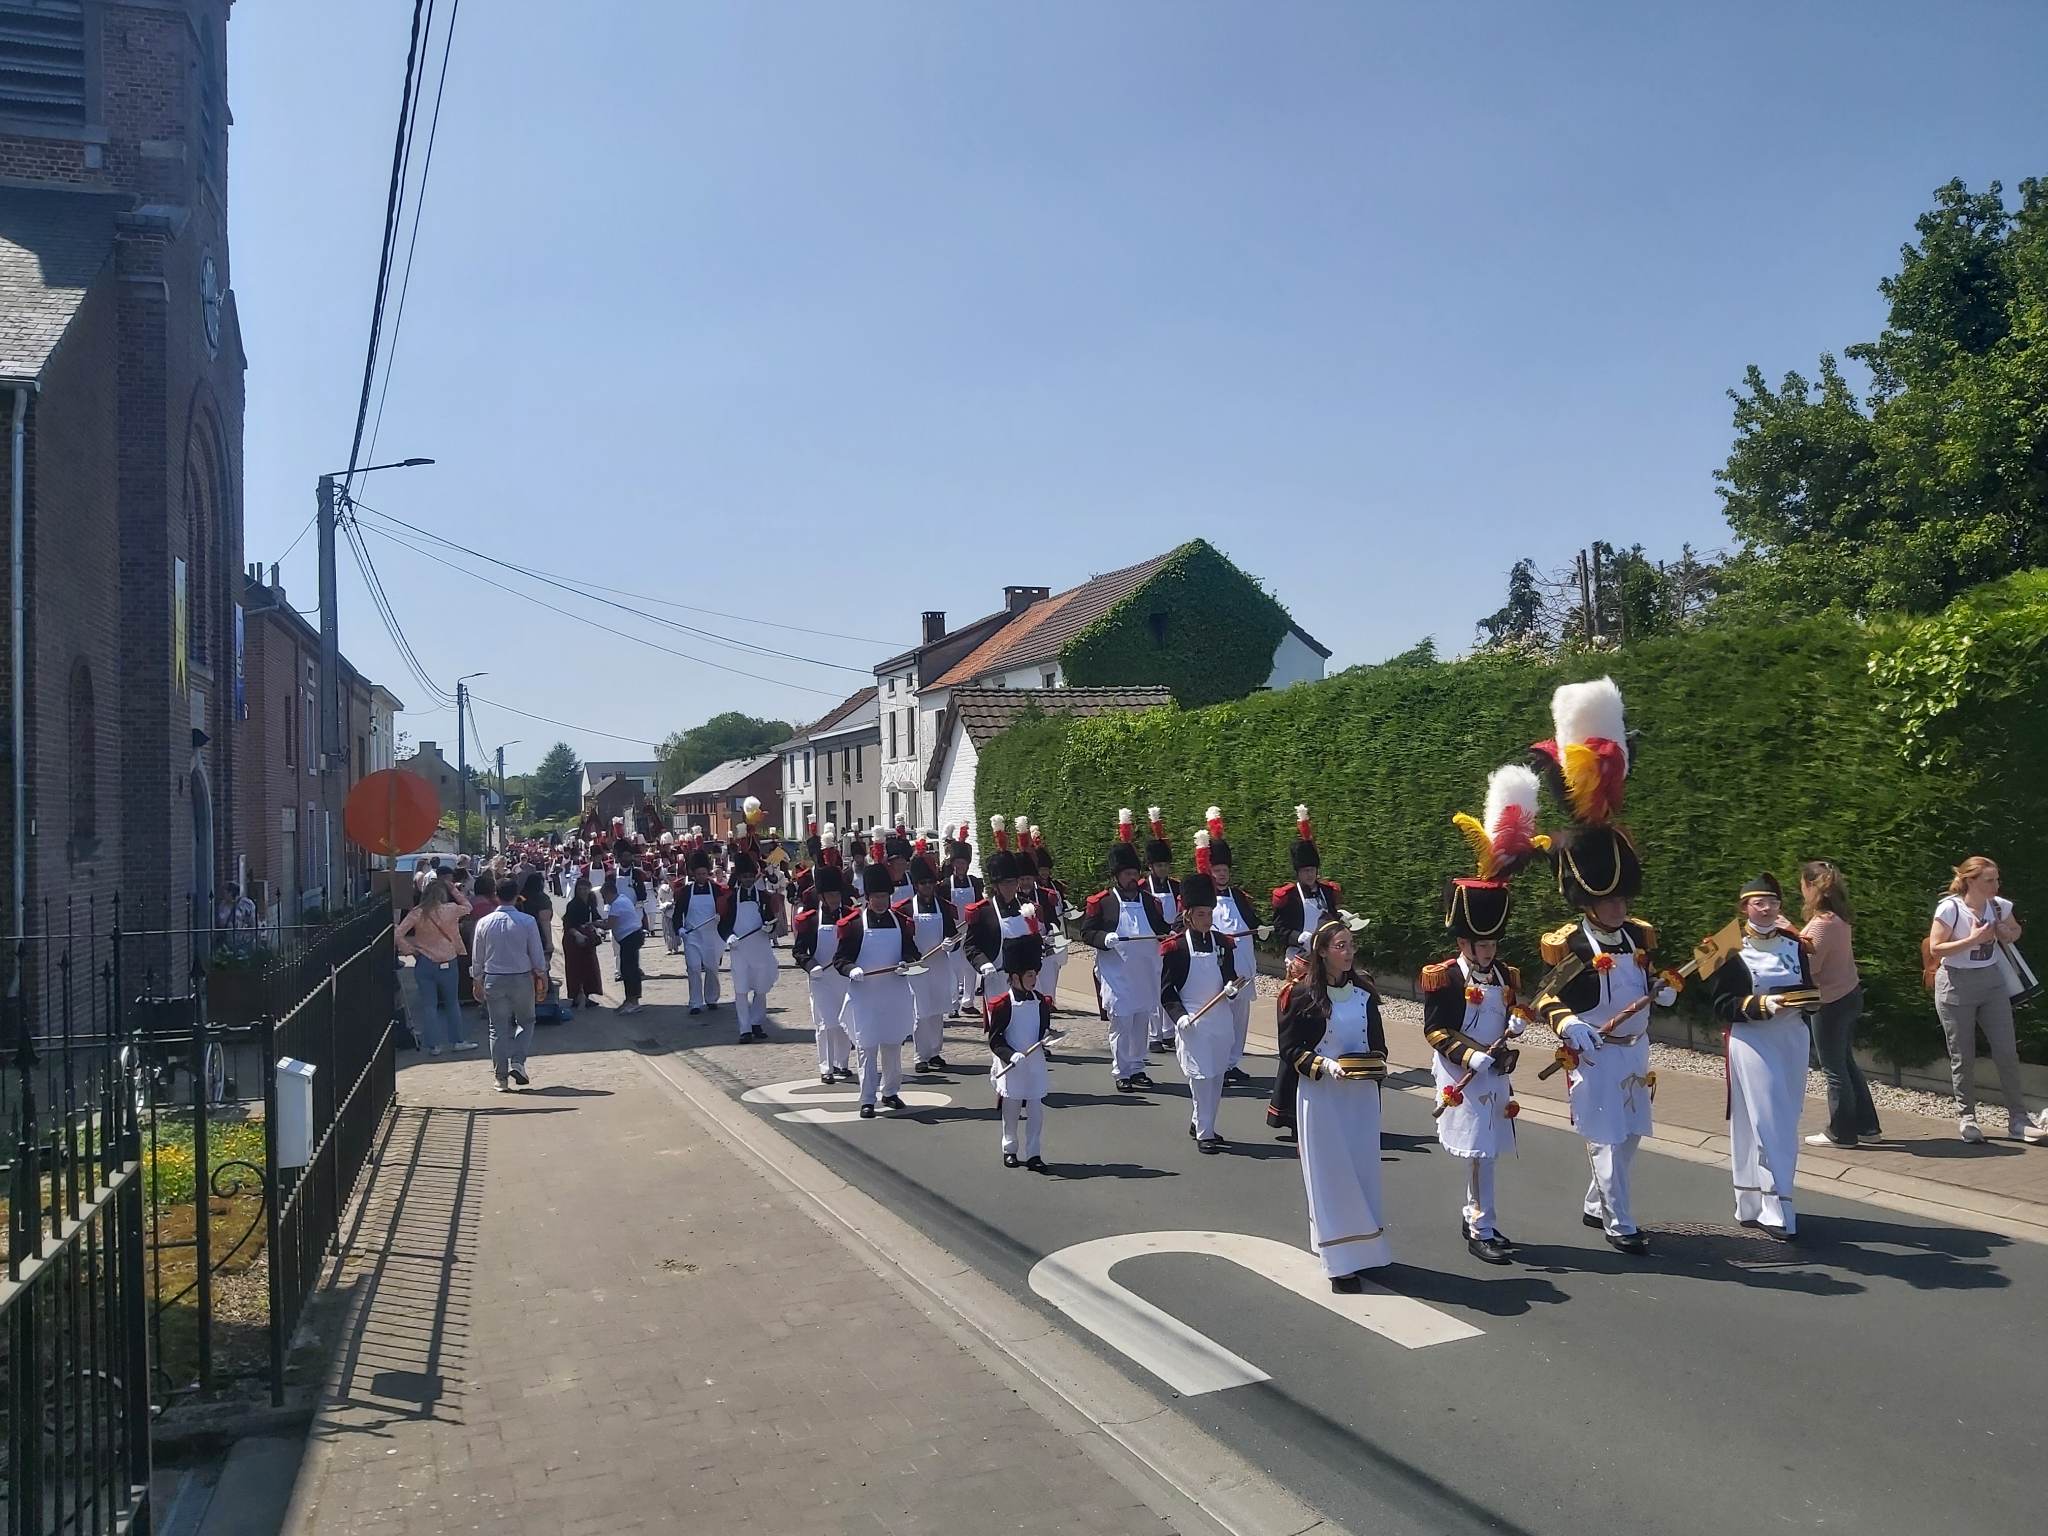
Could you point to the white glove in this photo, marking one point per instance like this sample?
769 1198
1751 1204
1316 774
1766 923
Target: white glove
1774 1005
729 944
1580 1036
855 974
1184 1021
1111 940
1330 1066
988 968
1480 1061
1667 996
817 970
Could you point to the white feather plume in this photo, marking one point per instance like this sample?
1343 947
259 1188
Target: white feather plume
1214 813
1583 711
831 833
1151 813
1301 813
1034 831
1510 788
1202 839
1123 817
997 824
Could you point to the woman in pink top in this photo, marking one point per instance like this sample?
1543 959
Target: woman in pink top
432 934
1852 1116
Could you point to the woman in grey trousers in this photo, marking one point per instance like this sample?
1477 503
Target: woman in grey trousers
1970 993
1852 1116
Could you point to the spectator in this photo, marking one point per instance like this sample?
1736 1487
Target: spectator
431 934
1970 993
236 919
1852 1116
533 901
511 975
580 931
622 917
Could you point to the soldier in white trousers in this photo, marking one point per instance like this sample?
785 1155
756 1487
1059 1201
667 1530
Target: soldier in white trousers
1123 925
814 943
702 904
1018 1021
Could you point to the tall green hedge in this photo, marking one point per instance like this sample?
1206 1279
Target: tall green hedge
1198 625
1759 748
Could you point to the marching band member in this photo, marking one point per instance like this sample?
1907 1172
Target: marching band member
815 941
1122 923
963 889
1004 913
701 901
1300 907
1761 993
895 851
1052 918
1237 920
1610 953
1470 1015
1196 968
1019 1019
748 927
1332 1035
873 945
1165 890
933 921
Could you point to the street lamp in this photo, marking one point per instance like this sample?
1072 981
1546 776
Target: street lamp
462 760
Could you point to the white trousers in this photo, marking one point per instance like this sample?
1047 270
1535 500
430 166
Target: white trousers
1207 1094
928 1037
753 973
1240 1008
881 1070
1607 1197
1479 1208
1127 1042
835 1051
701 954
1032 1111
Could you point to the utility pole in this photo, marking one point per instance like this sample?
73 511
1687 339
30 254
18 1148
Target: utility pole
330 633
501 799
461 766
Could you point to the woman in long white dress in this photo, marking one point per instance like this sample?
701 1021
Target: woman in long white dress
1332 1035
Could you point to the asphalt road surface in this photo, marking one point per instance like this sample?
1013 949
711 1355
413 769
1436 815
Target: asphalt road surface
1880 1376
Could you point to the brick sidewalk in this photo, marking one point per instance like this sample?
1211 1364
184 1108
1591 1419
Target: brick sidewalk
577 1312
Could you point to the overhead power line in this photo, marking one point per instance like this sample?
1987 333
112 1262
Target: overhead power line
583 730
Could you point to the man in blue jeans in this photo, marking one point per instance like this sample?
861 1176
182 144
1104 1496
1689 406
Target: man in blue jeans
510 971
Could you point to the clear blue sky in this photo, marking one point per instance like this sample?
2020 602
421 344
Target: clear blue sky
906 301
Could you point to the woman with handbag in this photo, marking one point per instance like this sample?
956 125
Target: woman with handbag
1971 992
580 932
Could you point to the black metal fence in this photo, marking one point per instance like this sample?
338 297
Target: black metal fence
143 1169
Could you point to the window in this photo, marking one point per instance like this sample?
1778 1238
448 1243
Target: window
211 115
894 804
828 767
197 538
1049 680
291 730
42 61
892 733
85 763
1156 622
807 765
860 766
846 765
910 731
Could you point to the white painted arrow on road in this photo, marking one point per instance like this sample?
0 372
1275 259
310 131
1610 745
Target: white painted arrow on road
1077 1281
814 1096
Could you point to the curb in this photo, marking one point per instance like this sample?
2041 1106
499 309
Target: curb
1123 1423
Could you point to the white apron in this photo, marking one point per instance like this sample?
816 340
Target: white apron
1312 915
828 987
964 979
1610 1089
1338 1129
1479 1127
1767 1087
1154 960
878 1008
1208 1048
933 991
1049 968
1026 1077
1128 976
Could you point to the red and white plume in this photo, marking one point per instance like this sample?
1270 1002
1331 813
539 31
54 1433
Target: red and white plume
1202 850
1037 837
919 846
1302 826
1506 837
1001 831
810 829
1587 761
876 851
1023 826
1214 816
1158 822
965 829
1125 832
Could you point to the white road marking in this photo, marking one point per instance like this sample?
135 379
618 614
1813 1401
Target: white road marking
814 1096
1077 1281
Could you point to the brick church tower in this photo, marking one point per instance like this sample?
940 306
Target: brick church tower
121 393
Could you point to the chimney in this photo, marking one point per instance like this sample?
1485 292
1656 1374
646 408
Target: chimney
934 626
273 573
1017 599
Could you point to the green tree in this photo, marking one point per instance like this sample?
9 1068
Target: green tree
1519 622
553 789
688 753
1935 481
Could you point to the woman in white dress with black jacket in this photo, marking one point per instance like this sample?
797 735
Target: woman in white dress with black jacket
1332 1036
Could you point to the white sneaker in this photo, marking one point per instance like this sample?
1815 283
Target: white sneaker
1823 1139
1967 1128
433 1050
465 1045
2031 1133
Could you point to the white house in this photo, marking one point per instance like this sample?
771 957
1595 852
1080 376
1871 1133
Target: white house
831 769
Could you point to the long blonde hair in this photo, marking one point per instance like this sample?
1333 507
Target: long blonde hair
1969 870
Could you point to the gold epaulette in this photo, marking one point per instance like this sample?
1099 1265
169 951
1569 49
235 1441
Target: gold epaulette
1443 974
1557 943
1514 975
1645 933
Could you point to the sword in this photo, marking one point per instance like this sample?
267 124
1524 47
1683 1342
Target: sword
1196 1017
1445 1099
1706 956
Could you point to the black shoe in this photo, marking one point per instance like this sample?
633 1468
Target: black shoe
1143 1079
1591 1221
760 1033
1235 1076
1010 1160
1629 1242
937 1063
1161 1045
1037 1165
1489 1250
1347 1285
519 1076
894 1101
1191 1132
1125 1085
971 1011
867 1111
920 1065
1210 1145
847 1075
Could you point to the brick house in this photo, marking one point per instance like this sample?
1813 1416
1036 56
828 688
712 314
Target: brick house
713 799
431 764
121 399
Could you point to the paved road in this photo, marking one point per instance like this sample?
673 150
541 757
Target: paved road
1879 1377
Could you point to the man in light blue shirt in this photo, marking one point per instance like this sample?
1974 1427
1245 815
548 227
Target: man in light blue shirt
509 970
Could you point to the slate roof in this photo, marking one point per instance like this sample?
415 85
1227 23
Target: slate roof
726 776
838 713
985 713
52 245
1042 631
